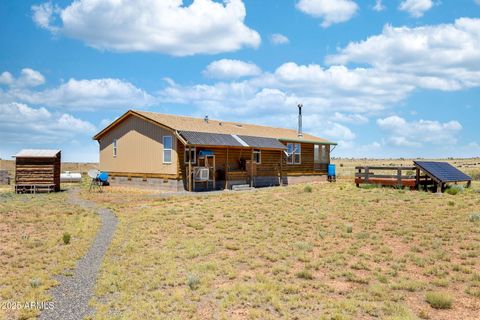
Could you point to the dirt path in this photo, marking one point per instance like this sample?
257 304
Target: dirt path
72 295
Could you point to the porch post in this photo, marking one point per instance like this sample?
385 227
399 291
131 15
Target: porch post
190 168
226 171
251 169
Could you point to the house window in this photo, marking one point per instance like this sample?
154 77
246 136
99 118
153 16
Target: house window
294 153
115 148
191 155
257 156
167 149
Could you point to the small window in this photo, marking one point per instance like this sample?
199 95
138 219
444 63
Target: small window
115 148
294 153
257 156
191 155
167 149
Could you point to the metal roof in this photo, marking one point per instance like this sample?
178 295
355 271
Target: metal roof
230 140
182 123
37 153
442 171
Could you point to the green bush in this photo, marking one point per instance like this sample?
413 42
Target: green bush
349 229
308 188
304 274
453 190
193 281
66 238
474 217
439 300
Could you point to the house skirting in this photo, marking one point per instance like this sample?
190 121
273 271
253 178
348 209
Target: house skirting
175 185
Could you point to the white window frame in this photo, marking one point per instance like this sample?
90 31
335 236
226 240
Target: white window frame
259 152
115 148
194 150
294 147
167 149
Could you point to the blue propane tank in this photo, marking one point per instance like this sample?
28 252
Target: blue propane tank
332 176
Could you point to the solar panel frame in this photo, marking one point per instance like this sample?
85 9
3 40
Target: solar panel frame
442 171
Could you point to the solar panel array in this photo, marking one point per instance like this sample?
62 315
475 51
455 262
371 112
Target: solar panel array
443 171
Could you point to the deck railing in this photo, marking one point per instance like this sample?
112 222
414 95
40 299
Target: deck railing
366 174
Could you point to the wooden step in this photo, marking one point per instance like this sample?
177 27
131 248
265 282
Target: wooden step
241 187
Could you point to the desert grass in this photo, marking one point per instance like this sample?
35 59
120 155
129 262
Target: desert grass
337 252
33 246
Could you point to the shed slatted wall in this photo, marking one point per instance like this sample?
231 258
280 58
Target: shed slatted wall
38 171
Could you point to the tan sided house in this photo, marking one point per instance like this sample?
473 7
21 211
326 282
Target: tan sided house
183 153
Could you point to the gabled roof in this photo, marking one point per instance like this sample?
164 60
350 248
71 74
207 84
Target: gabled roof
37 153
183 123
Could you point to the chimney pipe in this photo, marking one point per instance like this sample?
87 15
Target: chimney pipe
300 133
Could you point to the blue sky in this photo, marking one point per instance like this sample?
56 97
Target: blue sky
397 78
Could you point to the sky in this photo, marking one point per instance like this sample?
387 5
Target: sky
384 79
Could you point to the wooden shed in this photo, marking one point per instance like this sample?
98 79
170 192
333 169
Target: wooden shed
37 170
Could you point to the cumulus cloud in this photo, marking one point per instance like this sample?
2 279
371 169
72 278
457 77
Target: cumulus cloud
167 26
445 56
330 11
416 8
350 118
231 69
83 95
379 6
28 78
278 39
20 123
403 133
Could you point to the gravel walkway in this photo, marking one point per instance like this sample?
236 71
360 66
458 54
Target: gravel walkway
72 295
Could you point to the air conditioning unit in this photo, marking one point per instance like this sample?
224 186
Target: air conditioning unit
201 174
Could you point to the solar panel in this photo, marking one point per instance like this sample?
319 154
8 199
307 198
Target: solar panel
443 171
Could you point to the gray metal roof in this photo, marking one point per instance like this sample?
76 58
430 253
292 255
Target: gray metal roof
229 140
37 153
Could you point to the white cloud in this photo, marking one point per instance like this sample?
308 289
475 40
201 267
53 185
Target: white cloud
22 124
418 133
350 118
416 8
43 15
339 132
83 95
330 11
379 6
231 69
6 78
278 39
167 26
28 78
445 56
477 2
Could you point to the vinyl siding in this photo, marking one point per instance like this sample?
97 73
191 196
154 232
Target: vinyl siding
139 148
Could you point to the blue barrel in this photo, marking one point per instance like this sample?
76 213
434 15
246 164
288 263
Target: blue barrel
103 176
331 170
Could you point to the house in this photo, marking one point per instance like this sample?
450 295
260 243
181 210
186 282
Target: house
37 170
184 153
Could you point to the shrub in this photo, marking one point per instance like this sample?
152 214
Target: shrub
35 282
193 281
474 217
304 274
439 300
66 238
349 229
453 190
308 188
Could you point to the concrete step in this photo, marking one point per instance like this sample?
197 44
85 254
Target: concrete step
241 187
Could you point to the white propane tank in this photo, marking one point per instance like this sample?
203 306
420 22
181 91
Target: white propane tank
68 176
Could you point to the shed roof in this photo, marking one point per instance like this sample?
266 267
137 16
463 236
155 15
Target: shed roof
229 140
37 153
183 123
